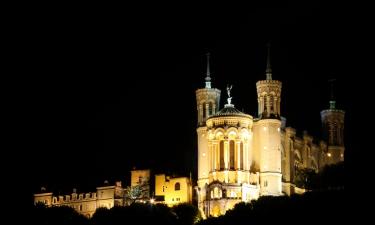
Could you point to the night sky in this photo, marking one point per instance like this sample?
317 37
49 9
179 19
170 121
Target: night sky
112 89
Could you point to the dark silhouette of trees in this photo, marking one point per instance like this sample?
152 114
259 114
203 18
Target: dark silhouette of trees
187 214
316 207
62 215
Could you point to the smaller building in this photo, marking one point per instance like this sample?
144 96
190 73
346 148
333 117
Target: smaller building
172 191
84 203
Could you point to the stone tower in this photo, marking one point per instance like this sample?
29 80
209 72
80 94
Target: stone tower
267 132
208 100
333 130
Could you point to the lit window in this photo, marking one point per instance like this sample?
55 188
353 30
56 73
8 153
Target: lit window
177 186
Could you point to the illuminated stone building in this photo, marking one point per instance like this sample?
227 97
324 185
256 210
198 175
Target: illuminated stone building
84 203
168 190
241 157
173 190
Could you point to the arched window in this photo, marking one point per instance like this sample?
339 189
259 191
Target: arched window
231 155
177 186
210 109
204 111
222 155
265 103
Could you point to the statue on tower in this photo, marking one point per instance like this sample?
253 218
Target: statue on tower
229 88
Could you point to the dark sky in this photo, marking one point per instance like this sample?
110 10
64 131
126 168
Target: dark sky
112 88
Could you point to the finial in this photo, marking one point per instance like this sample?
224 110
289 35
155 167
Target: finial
268 69
332 100
229 99
208 73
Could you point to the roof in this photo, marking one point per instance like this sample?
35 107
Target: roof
230 110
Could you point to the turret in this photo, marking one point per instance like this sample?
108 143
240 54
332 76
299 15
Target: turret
333 130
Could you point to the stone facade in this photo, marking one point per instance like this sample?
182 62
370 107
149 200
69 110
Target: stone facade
173 190
241 158
84 203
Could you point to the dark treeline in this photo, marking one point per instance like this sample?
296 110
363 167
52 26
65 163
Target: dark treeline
137 213
321 207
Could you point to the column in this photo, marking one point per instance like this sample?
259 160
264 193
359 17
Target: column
200 119
213 159
245 156
209 152
207 111
275 105
268 105
238 154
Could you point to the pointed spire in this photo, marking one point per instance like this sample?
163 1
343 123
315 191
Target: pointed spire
268 69
332 100
208 72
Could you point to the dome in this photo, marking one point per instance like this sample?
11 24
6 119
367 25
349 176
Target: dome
229 110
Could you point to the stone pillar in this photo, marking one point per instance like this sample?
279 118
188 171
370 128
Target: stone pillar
275 111
238 154
200 119
268 105
207 110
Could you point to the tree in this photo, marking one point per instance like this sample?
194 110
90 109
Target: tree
187 214
305 178
132 193
101 216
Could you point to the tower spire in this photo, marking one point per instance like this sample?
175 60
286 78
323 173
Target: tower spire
332 100
268 69
208 72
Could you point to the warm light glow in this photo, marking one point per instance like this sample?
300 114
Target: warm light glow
278 129
329 155
265 147
342 155
264 128
204 154
152 201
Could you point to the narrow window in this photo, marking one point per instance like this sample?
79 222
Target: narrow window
231 155
177 186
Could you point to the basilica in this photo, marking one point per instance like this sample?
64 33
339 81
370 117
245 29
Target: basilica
242 157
